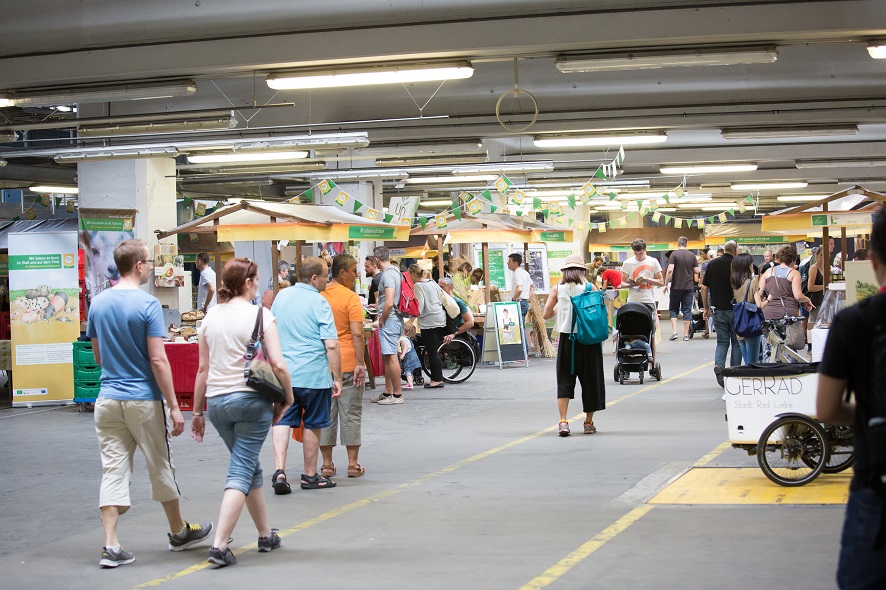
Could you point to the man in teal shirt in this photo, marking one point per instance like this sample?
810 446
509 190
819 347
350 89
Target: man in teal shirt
465 319
310 346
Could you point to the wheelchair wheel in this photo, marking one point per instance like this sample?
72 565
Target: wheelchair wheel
458 360
792 451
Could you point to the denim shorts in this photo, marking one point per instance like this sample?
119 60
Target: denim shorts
316 404
389 335
681 300
242 420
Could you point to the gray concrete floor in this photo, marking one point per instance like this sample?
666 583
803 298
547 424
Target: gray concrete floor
467 486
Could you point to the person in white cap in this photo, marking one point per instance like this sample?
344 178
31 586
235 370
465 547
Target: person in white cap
588 359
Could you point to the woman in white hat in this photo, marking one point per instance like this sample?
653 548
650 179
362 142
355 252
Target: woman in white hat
588 359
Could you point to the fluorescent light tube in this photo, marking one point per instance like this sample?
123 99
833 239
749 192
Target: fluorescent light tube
435 202
877 51
646 60
160 127
616 208
246 157
718 206
426 150
450 179
433 161
118 154
599 140
840 164
800 198
397 74
505 167
707 168
788 132
659 195
763 186
87 94
59 190
559 193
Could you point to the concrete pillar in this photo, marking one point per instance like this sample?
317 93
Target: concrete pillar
146 185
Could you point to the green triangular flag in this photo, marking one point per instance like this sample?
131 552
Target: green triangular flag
710 219
357 205
732 212
612 195
457 211
571 221
571 201
749 199
666 198
309 195
487 195
423 221
188 202
667 218
388 217
493 208
599 173
519 213
536 203
16 218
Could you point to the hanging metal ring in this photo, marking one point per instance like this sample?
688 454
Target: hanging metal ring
516 92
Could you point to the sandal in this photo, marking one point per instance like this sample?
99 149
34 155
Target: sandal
356 471
316 482
281 486
327 470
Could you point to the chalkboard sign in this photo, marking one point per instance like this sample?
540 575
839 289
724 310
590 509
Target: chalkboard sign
509 334
537 270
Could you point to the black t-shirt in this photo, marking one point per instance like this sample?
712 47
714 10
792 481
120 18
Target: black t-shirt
373 288
848 355
764 267
718 280
683 274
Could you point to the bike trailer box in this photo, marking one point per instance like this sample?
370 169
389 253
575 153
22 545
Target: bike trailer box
757 394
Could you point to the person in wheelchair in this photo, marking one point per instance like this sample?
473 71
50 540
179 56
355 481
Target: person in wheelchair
463 322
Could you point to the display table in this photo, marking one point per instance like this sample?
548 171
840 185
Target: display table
184 359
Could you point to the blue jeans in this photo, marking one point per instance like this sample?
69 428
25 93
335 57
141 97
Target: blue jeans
862 566
524 308
750 349
725 337
242 420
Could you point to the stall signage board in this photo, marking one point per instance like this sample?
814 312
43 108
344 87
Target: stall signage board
753 403
842 219
649 248
371 232
44 316
553 236
497 268
762 240
510 336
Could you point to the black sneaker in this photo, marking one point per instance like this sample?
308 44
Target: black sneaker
111 558
193 534
268 544
222 557
718 371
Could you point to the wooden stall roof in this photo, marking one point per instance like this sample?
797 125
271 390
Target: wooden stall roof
809 219
496 228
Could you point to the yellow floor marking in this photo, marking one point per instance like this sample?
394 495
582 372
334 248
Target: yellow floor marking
405 486
556 571
748 485
713 454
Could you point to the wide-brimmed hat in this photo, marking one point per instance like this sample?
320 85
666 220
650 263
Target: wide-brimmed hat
574 261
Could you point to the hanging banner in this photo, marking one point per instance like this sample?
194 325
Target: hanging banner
101 230
44 316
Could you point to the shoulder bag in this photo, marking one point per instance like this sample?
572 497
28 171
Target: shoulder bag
747 318
258 373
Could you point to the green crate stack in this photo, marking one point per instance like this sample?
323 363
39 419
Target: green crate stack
87 373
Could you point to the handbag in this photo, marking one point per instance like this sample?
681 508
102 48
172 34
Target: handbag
747 318
258 373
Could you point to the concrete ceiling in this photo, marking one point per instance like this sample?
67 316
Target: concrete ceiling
823 77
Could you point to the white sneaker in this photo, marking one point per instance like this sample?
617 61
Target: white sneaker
379 397
390 400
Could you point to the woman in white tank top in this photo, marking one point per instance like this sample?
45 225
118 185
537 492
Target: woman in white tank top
588 365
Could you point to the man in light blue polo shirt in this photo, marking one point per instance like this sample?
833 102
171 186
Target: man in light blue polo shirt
310 346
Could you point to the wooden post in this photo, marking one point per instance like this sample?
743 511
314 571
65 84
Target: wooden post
825 253
218 264
275 284
844 247
440 238
298 244
486 270
526 256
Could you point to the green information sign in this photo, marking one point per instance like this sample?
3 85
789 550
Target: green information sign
497 268
819 220
762 240
553 236
371 232
35 261
104 224
649 248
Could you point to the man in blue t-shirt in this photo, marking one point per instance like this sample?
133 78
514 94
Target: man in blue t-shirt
126 328
310 345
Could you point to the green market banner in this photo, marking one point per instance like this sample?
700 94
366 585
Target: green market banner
101 231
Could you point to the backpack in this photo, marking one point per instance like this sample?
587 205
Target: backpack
590 322
408 304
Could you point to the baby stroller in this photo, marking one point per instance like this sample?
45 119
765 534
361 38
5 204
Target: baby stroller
698 323
634 322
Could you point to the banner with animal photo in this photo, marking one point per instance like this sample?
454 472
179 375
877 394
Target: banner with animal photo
44 316
101 230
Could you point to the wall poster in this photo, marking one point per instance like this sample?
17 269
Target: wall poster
101 230
44 316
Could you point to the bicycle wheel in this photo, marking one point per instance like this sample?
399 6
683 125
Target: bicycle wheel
459 361
841 448
792 451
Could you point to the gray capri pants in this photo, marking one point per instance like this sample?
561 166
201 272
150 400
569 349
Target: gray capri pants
347 412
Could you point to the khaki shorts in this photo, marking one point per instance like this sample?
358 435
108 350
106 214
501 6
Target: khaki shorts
123 426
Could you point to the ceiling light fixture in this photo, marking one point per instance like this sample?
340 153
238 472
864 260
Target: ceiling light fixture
7 136
435 202
598 140
718 206
765 186
799 198
118 154
646 60
433 161
408 150
788 132
58 190
246 157
450 179
366 76
660 195
90 94
840 164
877 51
616 208
183 125
505 167
707 168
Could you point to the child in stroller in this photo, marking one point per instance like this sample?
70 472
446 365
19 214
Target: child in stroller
409 363
698 324
635 328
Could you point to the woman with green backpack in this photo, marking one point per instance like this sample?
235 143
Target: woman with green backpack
588 359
